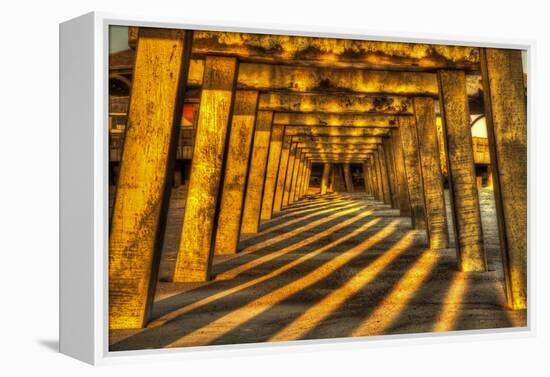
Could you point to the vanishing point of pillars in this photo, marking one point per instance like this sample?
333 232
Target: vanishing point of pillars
246 167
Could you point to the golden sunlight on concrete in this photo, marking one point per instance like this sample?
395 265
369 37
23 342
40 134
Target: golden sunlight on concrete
328 266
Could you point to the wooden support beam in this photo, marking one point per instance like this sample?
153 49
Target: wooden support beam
194 259
236 172
337 120
273 160
338 140
347 177
432 178
505 108
142 195
366 178
335 131
298 182
386 189
281 174
339 182
388 152
256 173
294 176
335 52
307 179
400 175
335 149
375 169
462 178
289 174
413 172
335 103
325 178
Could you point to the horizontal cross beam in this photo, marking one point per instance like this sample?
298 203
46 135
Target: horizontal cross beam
325 119
335 103
335 131
334 52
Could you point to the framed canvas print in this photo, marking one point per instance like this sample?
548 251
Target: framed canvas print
225 187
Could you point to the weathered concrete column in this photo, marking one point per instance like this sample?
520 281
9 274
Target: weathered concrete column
281 175
256 173
236 172
366 178
272 169
347 177
339 182
413 172
462 178
505 109
400 176
436 214
325 178
294 175
300 192
386 191
386 144
298 181
141 204
375 169
289 174
308 178
194 257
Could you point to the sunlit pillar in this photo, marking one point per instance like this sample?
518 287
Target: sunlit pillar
391 171
505 109
272 169
289 174
194 259
295 174
436 214
462 178
236 171
413 172
386 192
325 178
142 195
256 173
400 176
281 174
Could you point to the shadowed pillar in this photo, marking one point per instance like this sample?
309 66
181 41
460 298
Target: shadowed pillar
142 195
409 142
436 215
281 175
400 176
298 181
375 174
305 189
194 257
236 172
347 178
325 178
256 173
339 183
272 169
462 178
505 108
288 174
386 192
295 171
366 178
386 143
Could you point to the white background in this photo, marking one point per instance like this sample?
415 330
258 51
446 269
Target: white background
29 185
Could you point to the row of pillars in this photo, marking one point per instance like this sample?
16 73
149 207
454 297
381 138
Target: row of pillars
245 168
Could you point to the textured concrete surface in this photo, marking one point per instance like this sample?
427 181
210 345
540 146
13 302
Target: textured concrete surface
333 266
